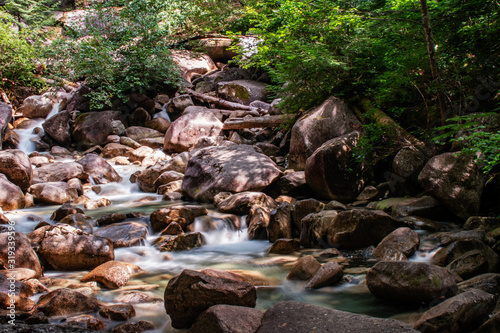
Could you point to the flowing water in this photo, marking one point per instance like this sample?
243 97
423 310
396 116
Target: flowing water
225 249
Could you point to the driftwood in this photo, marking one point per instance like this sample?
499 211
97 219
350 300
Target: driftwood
223 102
257 122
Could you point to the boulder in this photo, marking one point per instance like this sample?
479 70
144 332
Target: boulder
80 221
86 321
192 64
180 242
303 208
228 319
16 166
24 255
56 193
332 172
99 169
456 181
292 317
112 274
134 327
36 106
217 48
58 172
5 118
242 91
183 215
330 120
315 228
11 196
489 282
357 228
117 312
185 131
461 313
410 282
304 268
21 303
399 244
147 178
115 149
63 302
425 206
138 133
168 177
178 104
69 251
241 203
475 262
191 293
58 129
80 100
227 169
139 116
139 154
406 166
124 234
457 249
280 222
285 246
159 124
257 221
65 210
92 128
329 274
171 187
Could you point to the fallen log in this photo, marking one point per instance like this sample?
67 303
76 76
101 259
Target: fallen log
223 102
256 122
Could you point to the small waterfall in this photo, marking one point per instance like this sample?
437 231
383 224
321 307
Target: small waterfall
163 113
26 135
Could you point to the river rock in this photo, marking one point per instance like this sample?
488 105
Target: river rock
315 228
80 221
192 63
455 250
489 282
183 215
5 118
425 206
285 246
304 268
332 172
65 210
58 129
257 221
460 313
99 169
59 172
280 223
410 282
329 120
228 319
134 327
456 181
63 302
69 251
22 304
359 228
159 124
117 312
191 293
181 242
227 169
185 131
112 274
53 193
147 178
241 203
242 91
167 177
124 234
475 262
93 128
303 208
16 166
139 116
11 196
400 244
137 155
115 149
171 187
138 133
36 106
24 254
329 274
86 321
292 317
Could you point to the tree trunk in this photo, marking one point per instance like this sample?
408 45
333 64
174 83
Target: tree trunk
223 102
431 50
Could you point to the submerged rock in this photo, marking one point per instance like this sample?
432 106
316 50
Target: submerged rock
112 274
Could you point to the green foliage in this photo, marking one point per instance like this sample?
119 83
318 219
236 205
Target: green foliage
377 143
18 57
31 12
121 50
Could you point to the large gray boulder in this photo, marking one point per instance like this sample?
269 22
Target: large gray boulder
328 121
292 317
59 172
99 169
186 130
456 181
227 169
332 172
410 282
5 118
93 128
190 293
57 127
16 166
242 91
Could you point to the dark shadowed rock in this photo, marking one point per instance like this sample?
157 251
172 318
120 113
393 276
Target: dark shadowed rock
5 118
242 91
285 246
280 223
401 243
86 321
191 293
99 169
236 168
62 302
117 312
241 203
293 317
410 282
16 166
456 181
460 313
331 171
124 234
329 274
228 319
134 327
112 274
315 228
329 120
183 215
57 127
491 325
304 268
65 210
93 128
257 221
181 242
489 282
